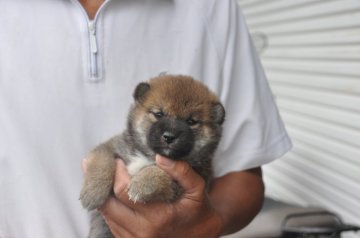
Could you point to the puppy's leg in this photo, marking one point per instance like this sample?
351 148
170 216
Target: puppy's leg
152 184
99 229
99 176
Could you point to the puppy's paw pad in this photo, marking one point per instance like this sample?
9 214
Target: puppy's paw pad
138 192
151 185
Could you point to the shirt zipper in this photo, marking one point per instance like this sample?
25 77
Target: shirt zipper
93 46
94 68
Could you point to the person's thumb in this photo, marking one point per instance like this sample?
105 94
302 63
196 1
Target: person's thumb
192 183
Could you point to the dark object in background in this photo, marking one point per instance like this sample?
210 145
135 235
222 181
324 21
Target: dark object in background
282 220
315 224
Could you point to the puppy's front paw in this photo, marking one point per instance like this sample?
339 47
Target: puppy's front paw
152 184
93 195
98 183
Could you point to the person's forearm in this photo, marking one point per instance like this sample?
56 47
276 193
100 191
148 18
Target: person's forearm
237 197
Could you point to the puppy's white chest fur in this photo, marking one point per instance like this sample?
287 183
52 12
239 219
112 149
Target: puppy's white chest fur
138 162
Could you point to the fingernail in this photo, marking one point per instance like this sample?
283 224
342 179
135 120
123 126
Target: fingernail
84 165
120 162
160 160
104 217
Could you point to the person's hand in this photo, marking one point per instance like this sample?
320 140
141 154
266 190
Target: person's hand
191 216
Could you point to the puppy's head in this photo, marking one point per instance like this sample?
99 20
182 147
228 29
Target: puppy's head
176 116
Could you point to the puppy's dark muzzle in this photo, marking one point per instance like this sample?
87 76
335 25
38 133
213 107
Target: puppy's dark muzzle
172 138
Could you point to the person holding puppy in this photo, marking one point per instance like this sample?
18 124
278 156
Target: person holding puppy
67 69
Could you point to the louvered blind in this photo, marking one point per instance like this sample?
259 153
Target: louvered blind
310 50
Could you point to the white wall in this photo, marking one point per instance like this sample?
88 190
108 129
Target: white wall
312 61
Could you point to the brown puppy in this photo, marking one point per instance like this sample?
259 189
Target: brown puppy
174 116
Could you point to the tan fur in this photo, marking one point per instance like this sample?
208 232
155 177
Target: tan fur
189 98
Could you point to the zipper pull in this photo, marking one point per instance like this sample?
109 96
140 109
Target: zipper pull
93 51
93 41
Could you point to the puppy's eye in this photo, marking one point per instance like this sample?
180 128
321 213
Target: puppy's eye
158 115
191 122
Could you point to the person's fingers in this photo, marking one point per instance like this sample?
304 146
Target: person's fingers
84 165
192 183
118 213
118 231
126 221
121 179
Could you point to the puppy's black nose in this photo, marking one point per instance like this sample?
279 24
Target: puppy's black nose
168 137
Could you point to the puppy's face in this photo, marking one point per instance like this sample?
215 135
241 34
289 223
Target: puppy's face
176 116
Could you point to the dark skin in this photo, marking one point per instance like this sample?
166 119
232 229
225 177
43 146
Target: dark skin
232 202
91 6
222 211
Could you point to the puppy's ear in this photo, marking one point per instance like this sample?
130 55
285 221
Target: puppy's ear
218 113
140 91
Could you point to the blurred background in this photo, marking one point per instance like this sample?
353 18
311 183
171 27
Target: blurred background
310 50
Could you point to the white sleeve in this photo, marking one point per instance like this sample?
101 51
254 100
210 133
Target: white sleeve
254 133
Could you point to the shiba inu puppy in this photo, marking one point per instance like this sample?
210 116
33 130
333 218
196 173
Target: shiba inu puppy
174 116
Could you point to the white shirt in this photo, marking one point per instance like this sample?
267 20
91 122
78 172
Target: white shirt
66 85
